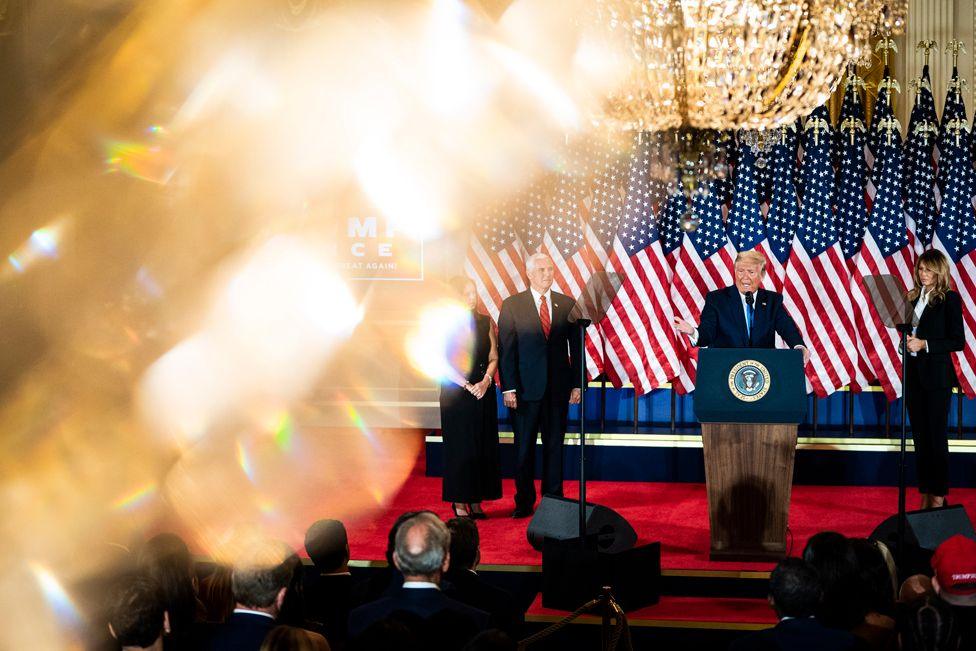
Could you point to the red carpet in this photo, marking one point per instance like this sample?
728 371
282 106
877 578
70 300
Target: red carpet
675 514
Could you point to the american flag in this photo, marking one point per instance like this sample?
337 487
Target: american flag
746 228
817 278
704 262
639 325
494 258
784 210
564 242
886 249
918 171
851 215
955 235
852 210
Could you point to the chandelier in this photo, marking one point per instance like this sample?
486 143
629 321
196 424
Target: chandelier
734 64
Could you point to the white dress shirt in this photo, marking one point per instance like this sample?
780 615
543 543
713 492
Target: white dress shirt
923 301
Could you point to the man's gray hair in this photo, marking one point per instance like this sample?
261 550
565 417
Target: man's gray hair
533 260
262 571
428 559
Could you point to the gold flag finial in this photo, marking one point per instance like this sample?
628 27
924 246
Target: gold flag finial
927 129
885 44
889 84
852 125
926 47
815 125
956 126
889 125
956 85
955 47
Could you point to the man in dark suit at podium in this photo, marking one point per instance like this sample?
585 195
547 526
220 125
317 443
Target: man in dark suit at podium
744 315
540 373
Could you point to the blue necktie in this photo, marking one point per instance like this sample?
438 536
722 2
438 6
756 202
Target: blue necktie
750 313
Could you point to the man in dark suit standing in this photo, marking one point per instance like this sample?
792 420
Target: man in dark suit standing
540 374
794 592
259 583
422 554
744 315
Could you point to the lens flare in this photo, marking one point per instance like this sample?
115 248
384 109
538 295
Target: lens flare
274 321
284 431
440 346
136 498
42 244
244 461
56 597
140 160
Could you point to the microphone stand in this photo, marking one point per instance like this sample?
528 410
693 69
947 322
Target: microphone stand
583 325
904 329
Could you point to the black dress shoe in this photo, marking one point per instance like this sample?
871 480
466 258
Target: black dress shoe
522 512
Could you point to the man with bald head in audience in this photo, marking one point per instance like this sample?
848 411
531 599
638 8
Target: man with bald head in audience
422 555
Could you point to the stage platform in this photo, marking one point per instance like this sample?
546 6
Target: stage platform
716 599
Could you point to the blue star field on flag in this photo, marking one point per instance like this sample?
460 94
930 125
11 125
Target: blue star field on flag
918 168
784 209
851 216
746 229
816 228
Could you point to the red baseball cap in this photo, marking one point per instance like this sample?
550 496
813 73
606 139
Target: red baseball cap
954 563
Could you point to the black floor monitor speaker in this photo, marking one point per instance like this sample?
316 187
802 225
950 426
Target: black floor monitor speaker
573 574
558 517
924 531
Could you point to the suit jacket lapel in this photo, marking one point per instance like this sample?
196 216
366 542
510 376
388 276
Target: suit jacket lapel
760 318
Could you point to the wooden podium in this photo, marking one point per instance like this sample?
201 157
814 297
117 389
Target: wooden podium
749 402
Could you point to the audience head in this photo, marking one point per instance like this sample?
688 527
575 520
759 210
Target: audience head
217 595
915 587
261 576
794 588
292 638
929 625
166 559
328 546
875 584
391 537
422 548
491 640
832 555
465 543
400 630
137 618
954 563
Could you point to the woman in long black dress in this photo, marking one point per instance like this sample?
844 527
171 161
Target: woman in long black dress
930 374
469 420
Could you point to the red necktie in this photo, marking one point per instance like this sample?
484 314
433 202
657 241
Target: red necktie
544 316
